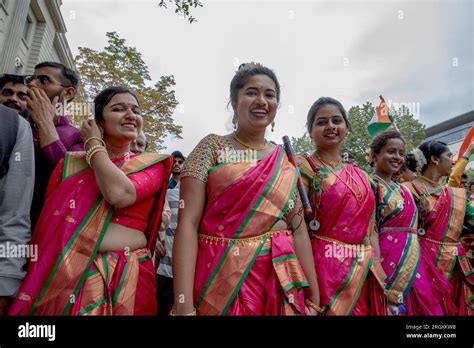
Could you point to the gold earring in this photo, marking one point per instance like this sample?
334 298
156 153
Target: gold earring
273 126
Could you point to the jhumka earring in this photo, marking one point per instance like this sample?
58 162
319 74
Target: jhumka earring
273 126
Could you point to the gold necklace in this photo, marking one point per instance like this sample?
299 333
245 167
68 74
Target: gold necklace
328 163
432 182
248 146
359 194
382 180
114 156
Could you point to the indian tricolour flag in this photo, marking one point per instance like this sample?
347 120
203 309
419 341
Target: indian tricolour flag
381 120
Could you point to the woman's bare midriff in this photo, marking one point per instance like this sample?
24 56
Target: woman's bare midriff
118 237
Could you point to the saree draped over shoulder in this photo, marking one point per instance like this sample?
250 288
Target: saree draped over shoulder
71 276
244 268
409 280
442 214
351 282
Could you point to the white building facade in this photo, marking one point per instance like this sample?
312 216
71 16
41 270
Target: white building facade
31 32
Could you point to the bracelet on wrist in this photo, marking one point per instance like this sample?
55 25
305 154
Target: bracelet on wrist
94 138
192 314
95 151
314 306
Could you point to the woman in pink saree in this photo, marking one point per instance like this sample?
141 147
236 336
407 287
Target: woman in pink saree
99 222
343 202
442 212
241 247
410 287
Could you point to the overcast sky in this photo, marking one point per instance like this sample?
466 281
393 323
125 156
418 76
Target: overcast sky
418 52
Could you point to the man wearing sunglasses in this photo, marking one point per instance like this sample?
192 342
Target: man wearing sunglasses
53 134
13 92
178 162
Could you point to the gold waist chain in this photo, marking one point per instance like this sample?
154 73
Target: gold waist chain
345 245
255 240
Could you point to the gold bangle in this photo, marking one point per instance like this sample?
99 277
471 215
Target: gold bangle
96 138
313 305
91 151
192 314
92 155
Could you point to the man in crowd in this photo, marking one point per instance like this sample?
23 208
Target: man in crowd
16 192
164 282
178 161
53 134
13 92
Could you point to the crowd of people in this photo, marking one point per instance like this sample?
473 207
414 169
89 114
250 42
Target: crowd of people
120 230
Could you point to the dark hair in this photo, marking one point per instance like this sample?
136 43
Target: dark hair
243 75
177 154
104 97
428 148
69 75
380 140
319 104
464 176
471 183
14 79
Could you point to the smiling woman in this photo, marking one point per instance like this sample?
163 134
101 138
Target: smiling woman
241 246
352 283
100 221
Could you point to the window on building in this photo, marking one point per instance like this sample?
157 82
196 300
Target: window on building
27 28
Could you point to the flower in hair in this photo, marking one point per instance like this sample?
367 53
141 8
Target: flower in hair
420 159
368 156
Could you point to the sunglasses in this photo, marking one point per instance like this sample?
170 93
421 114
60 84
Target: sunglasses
179 161
43 80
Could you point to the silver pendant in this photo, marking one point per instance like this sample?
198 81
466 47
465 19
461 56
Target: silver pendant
421 231
314 225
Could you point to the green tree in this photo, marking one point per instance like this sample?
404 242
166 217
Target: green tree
359 140
183 7
120 65
302 145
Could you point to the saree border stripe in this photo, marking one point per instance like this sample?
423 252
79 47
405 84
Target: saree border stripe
73 164
218 267
284 258
400 265
122 280
243 277
93 272
295 284
413 276
105 264
213 274
91 260
440 249
63 253
92 306
157 158
367 270
453 264
262 196
344 284
287 204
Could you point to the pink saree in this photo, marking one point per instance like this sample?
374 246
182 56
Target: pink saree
409 281
350 281
242 267
70 276
441 216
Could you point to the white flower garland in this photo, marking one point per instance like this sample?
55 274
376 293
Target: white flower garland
420 159
368 156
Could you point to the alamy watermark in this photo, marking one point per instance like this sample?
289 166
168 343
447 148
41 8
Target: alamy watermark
75 109
244 156
413 107
12 250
